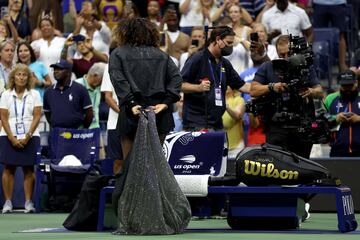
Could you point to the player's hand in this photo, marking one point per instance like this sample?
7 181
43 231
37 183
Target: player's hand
136 110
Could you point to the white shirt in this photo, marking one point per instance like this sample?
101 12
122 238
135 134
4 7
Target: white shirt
31 98
194 17
240 58
271 52
49 54
292 21
106 86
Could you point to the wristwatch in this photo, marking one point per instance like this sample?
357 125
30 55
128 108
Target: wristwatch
29 134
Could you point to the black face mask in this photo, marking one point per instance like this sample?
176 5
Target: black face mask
226 51
348 95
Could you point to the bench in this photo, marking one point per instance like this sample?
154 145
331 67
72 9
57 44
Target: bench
273 202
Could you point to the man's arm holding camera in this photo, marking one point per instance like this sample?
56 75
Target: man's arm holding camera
315 91
257 89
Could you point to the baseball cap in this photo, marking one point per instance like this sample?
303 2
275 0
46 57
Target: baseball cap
78 38
347 77
63 64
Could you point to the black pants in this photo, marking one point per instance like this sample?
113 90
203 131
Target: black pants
288 139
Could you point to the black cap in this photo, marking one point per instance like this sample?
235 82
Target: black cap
346 78
78 38
62 64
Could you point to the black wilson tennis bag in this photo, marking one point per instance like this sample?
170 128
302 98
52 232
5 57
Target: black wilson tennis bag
271 165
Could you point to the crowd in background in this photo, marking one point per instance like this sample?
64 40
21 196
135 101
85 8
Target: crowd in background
48 44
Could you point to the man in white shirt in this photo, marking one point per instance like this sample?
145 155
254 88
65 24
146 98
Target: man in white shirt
114 151
287 18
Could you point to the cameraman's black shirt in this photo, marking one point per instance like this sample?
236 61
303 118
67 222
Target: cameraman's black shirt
266 75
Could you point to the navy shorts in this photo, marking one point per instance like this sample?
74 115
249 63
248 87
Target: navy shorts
114 150
334 14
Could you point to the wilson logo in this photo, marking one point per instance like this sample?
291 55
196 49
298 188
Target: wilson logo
268 170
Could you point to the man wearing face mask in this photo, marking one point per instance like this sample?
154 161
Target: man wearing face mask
344 105
206 76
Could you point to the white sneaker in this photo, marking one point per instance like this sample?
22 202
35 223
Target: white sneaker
29 207
8 207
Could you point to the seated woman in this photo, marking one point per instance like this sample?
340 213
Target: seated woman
20 111
233 122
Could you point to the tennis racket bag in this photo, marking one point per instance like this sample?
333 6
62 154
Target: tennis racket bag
267 164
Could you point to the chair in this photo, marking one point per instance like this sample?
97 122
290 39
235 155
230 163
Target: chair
332 36
83 144
322 61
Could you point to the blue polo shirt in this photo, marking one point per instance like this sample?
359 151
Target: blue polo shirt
68 106
199 109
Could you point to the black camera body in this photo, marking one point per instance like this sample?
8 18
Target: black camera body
289 109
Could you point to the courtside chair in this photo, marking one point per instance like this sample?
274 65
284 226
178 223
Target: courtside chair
83 144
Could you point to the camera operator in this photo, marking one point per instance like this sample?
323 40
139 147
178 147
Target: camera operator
344 105
267 81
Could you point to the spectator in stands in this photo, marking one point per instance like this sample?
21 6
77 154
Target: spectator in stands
153 10
36 33
114 150
155 83
89 55
177 114
268 4
240 57
67 103
334 12
206 76
26 55
40 6
176 42
70 8
20 111
253 126
260 29
286 18
19 19
131 10
233 121
88 25
49 45
6 24
197 13
197 43
109 11
344 105
92 81
7 49
247 7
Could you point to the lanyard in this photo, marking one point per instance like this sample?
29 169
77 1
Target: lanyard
213 75
23 109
